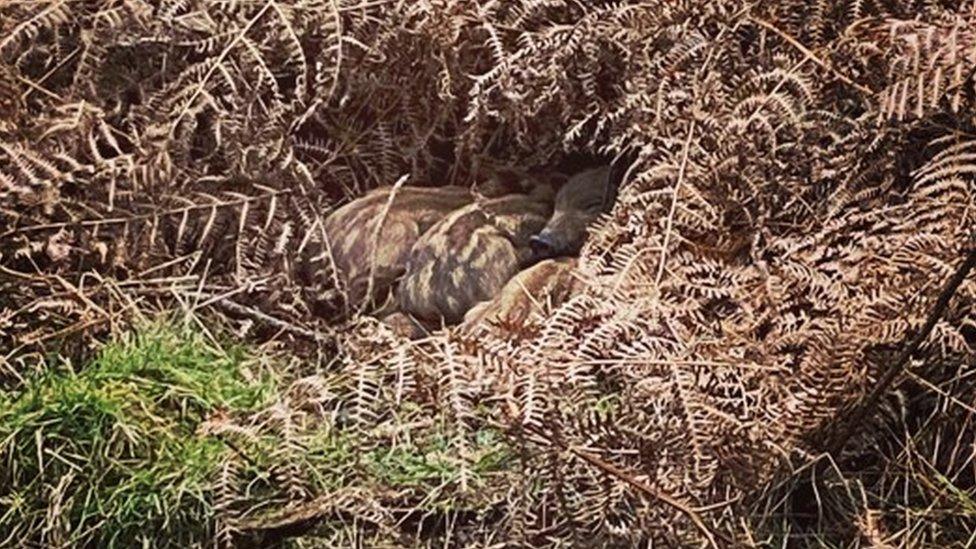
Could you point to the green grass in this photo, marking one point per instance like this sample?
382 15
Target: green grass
438 461
110 454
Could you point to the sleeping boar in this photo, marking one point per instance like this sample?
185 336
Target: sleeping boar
578 204
469 256
537 289
352 234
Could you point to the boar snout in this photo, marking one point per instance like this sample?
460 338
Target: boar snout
563 236
578 203
542 246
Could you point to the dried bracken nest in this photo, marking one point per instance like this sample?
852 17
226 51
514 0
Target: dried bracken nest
800 186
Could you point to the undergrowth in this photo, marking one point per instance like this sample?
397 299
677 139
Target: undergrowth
108 452
127 450
799 184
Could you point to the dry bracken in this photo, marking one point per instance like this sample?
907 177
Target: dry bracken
801 185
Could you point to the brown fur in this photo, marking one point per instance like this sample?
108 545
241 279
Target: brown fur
351 230
535 290
469 256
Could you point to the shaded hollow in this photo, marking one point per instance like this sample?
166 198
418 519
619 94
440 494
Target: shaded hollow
432 254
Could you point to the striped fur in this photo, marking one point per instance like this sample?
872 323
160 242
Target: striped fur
535 290
351 230
469 256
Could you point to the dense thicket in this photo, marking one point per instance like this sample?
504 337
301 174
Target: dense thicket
801 186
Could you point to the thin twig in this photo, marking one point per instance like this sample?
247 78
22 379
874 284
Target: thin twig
282 325
374 243
615 471
854 418
673 211
647 490
811 56
220 59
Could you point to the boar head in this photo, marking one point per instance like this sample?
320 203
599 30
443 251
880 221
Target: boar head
578 203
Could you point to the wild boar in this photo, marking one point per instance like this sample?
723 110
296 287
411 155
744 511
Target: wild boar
538 289
469 256
578 203
352 234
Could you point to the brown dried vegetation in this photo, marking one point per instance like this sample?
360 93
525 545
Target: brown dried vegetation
802 185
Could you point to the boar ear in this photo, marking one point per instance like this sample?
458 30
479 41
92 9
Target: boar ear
544 184
543 192
556 179
495 180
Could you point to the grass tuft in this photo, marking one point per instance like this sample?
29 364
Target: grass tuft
166 439
111 455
